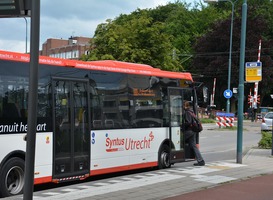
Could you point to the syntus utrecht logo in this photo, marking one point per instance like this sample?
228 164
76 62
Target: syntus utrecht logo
127 144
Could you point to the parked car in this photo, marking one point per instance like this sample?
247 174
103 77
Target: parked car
266 124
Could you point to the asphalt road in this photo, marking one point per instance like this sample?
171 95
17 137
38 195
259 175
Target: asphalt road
221 143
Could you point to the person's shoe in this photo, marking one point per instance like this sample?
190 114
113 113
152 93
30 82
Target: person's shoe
201 163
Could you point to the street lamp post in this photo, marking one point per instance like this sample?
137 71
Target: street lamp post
230 46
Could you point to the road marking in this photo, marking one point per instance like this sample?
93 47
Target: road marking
139 176
199 170
101 184
135 181
116 181
106 188
69 190
219 167
52 193
127 179
84 187
216 179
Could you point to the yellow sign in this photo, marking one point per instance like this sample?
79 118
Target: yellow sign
253 71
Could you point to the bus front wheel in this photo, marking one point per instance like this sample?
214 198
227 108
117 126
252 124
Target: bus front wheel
12 177
164 157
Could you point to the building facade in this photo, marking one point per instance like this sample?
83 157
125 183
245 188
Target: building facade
73 48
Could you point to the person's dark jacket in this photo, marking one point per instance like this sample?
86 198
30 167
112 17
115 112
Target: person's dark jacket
188 119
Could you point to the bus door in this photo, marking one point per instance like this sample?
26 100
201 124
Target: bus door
179 151
71 128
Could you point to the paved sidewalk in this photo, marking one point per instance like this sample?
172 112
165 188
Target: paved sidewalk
251 180
258 188
256 162
254 181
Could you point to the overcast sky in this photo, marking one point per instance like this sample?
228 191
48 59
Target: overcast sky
65 18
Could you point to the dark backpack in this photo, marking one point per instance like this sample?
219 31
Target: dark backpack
196 125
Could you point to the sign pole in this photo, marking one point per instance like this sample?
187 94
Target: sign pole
241 84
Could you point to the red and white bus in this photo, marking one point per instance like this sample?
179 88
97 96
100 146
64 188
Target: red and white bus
93 118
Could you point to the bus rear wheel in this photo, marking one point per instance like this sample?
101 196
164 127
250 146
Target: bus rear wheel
164 157
12 177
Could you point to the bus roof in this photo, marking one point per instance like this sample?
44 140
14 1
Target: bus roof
103 65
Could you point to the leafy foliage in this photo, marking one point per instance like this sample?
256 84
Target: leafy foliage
155 37
212 52
207 120
138 40
194 38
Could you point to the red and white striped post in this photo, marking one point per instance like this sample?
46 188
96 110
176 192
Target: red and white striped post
259 51
256 84
213 93
250 100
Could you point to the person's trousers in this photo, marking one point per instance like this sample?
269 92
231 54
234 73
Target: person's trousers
190 137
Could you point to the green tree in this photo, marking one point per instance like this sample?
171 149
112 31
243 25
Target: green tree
185 23
162 37
212 51
194 38
134 39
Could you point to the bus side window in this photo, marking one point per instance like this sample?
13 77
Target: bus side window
97 124
11 111
109 123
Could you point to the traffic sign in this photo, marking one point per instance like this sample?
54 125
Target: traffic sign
227 94
253 71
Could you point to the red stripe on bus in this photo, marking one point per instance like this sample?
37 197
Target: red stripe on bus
104 65
130 68
123 168
41 180
48 179
5 55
